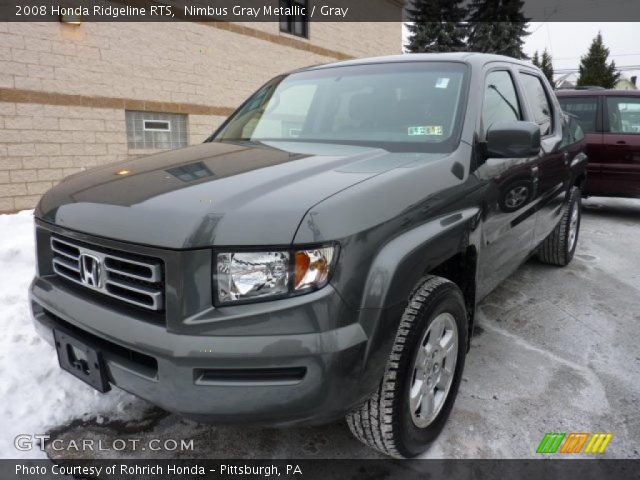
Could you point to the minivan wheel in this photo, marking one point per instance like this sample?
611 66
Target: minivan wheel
410 407
559 247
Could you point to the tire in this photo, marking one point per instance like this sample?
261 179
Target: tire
559 247
385 421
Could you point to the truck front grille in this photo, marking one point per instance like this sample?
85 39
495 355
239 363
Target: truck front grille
131 279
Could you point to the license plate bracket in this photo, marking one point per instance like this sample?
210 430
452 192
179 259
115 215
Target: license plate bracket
82 360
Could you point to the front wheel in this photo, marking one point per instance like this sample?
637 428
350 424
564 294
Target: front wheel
559 247
409 409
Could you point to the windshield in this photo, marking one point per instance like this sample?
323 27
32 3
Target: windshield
413 106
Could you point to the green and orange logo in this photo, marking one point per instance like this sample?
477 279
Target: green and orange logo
574 442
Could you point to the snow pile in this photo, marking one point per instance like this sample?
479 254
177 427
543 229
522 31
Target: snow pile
36 395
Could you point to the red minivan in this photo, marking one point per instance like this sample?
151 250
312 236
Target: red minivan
610 120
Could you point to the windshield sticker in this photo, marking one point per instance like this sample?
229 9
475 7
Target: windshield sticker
425 130
442 83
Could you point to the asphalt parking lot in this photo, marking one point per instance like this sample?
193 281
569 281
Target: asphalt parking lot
556 351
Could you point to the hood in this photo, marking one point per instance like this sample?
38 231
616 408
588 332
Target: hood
212 193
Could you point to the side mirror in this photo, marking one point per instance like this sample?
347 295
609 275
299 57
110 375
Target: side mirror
513 140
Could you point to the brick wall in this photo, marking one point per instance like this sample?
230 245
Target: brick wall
44 143
200 70
41 144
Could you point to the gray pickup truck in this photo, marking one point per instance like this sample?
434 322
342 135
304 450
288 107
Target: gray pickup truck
322 254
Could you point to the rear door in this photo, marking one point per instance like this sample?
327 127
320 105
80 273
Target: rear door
552 166
621 164
588 111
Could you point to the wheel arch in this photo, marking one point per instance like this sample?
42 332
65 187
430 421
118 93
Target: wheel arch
461 269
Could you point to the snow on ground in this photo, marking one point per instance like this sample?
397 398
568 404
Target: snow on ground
36 395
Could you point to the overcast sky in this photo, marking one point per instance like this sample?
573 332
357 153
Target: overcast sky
568 41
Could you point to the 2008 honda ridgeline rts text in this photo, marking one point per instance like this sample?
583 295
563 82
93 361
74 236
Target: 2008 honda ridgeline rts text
321 255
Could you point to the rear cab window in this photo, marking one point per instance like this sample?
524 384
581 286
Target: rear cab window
572 133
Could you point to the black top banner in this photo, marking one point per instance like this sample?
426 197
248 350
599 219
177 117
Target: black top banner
307 10
293 469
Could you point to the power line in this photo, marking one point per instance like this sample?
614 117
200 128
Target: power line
611 55
626 68
618 67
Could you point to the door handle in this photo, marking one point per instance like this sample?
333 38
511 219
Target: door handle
622 143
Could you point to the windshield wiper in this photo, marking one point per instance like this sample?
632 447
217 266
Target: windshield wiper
515 111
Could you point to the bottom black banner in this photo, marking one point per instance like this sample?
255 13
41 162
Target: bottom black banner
322 469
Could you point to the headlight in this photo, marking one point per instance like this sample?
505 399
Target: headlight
250 276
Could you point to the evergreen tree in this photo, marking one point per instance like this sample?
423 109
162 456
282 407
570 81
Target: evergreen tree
497 26
546 65
536 59
594 69
436 26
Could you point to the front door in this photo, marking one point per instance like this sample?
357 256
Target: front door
511 185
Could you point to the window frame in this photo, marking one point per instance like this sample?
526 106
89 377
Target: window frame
290 19
552 107
516 86
145 129
605 117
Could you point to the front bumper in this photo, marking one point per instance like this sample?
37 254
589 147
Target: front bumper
304 378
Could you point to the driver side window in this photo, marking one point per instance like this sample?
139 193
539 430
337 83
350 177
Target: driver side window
500 100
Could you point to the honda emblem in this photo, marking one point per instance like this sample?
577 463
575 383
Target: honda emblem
90 274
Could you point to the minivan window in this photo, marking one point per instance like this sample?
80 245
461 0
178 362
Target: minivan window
412 106
537 98
500 99
585 109
624 114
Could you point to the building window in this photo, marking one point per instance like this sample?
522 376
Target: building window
156 125
155 130
297 23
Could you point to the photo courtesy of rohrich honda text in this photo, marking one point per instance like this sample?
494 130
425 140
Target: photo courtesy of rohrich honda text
319 239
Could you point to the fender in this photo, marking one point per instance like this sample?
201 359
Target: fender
397 268
405 259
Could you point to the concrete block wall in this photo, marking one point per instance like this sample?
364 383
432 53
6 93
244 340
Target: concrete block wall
64 89
41 144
